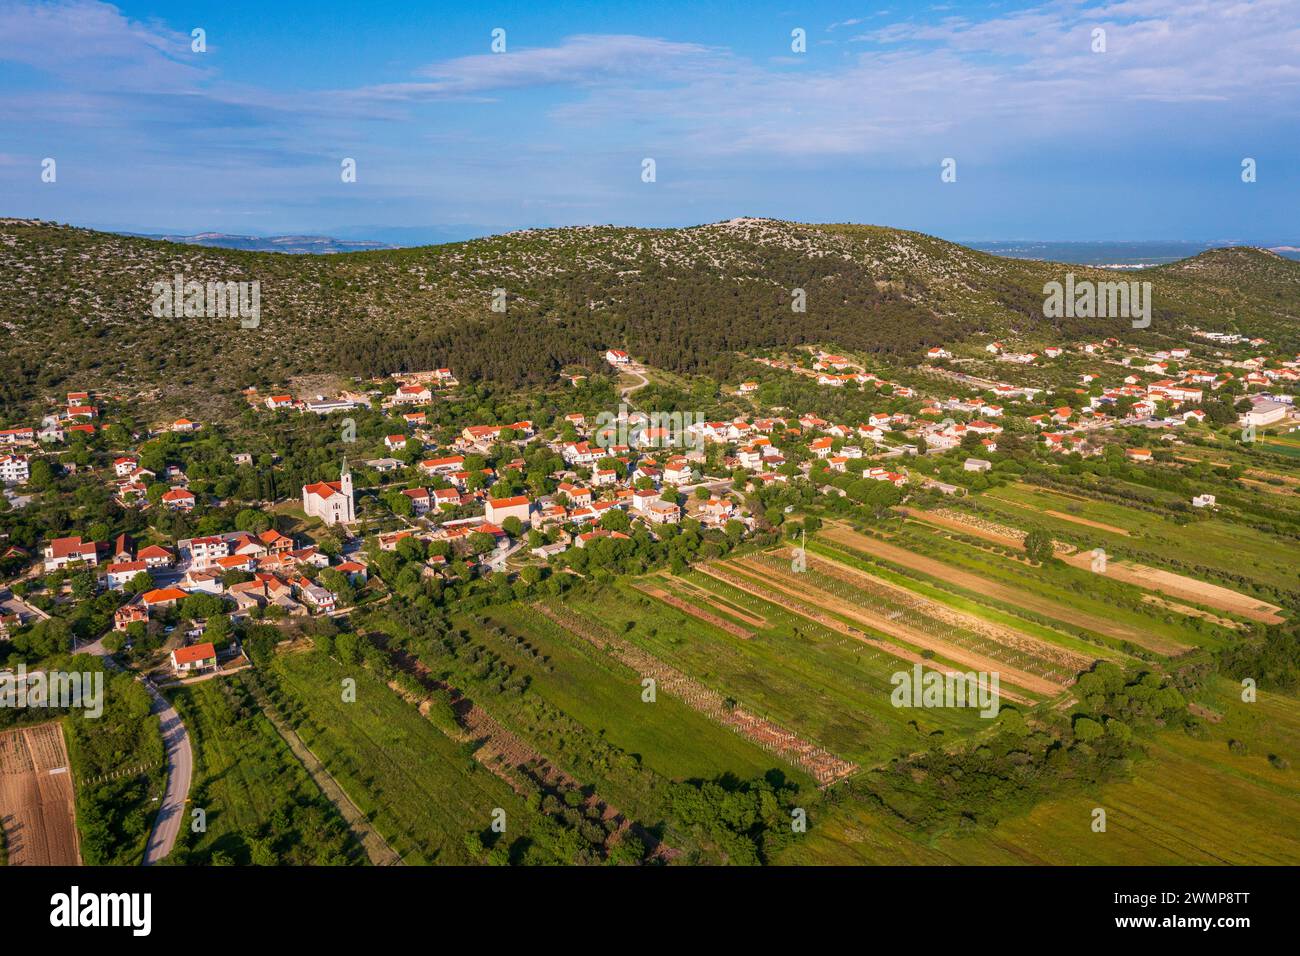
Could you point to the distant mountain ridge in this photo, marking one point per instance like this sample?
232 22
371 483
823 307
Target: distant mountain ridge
75 305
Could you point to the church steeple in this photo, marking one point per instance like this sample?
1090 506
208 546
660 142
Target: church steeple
345 478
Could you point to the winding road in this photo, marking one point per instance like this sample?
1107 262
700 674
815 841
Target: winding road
180 767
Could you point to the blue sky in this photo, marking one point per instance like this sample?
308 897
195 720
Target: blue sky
1051 139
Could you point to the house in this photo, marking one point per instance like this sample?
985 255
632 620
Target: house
1138 454
184 425
179 499
205 551
659 511
413 395
579 497
331 501
1203 501
395 442
420 502
195 658
279 401
14 469
355 572
747 388
498 510
163 597
938 352
977 464
125 466
443 466
129 614
61 552
677 471
617 357
446 497
275 542
15 436
209 582
123 572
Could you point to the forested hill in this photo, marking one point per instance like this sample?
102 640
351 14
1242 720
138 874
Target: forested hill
75 305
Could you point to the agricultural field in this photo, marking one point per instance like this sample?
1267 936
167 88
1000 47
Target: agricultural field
37 805
1103 611
1188 801
422 790
604 695
1226 547
260 804
815 680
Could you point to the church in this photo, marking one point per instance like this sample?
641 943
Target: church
331 501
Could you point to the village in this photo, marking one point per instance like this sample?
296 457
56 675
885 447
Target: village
614 475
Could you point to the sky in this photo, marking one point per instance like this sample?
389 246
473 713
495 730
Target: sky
1050 136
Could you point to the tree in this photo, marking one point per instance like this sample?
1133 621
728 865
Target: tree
1038 546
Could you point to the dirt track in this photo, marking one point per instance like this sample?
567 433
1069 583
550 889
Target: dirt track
1088 522
987 587
1189 589
37 805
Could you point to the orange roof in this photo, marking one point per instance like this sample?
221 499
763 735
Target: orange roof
194 653
509 502
325 489
162 595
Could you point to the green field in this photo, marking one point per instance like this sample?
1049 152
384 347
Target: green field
1188 802
260 804
808 678
1227 547
422 790
605 696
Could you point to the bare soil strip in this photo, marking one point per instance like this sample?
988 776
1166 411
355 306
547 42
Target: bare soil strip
1189 589
1099 525
980 585
962 656
686 607
1157 601
37 804
371 840
824 767
1070 661
736 578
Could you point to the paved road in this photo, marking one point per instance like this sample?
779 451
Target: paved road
180 767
